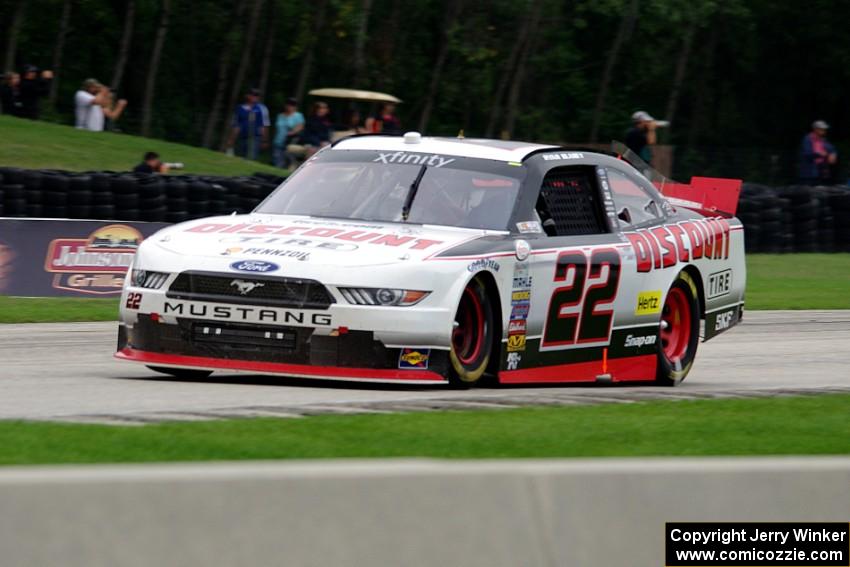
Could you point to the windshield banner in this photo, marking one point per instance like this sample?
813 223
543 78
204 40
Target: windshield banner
76 258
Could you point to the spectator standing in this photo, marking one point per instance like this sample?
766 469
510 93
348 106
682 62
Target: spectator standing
93 103
317 130
250 128
34 86
817 156
385 121
289 124
641 135
10 94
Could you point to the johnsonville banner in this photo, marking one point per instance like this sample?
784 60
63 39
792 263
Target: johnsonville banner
70 258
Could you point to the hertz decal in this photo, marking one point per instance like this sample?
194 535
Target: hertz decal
648 303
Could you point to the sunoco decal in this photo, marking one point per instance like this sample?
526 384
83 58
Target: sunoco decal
96 264
414 358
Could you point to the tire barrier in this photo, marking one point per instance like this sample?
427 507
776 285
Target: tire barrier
795 218
108 195
776 219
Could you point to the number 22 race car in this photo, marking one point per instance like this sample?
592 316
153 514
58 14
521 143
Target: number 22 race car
439 260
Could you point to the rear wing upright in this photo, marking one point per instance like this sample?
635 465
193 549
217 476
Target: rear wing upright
709 196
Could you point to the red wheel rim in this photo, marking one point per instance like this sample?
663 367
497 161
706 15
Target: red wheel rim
468 334
676 325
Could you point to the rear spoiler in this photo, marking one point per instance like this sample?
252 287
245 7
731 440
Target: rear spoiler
709 196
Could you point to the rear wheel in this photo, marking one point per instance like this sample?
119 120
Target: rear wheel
472 336
182 373
679 332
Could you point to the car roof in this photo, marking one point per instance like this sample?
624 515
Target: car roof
499 150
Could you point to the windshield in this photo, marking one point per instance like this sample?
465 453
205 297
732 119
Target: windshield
376 186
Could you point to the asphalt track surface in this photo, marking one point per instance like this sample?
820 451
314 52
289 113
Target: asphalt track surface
65 372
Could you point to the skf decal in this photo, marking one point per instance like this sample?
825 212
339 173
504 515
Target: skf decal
414 358
307 232
516 343
724 320
513 360
719 284
484 264
665 246
648 303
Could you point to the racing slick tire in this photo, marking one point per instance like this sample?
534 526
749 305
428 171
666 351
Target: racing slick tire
472 336
182 373
678 331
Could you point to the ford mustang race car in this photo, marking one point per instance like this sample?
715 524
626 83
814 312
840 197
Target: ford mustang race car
439 260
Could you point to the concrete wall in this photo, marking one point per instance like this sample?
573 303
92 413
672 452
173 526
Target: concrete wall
410 513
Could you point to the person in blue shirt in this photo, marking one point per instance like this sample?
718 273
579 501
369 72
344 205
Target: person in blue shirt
817 156
288 125
250 127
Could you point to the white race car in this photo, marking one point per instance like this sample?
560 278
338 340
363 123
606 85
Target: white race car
439 260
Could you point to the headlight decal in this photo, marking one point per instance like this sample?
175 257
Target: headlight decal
385 297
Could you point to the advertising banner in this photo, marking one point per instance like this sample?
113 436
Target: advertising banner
67 258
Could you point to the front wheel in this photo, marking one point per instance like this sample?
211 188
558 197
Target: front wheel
182 373
679 332
472 336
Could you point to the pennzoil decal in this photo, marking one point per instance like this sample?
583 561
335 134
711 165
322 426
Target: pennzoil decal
414 358
94 265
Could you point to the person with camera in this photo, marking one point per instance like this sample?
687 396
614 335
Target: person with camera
642 135
151 163
93 104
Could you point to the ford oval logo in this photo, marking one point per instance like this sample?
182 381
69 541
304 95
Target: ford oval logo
254 266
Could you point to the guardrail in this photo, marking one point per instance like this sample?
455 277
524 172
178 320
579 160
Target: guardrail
405 512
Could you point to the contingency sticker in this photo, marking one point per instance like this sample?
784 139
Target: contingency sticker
414 358
648 303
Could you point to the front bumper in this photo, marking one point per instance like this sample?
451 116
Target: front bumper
278 350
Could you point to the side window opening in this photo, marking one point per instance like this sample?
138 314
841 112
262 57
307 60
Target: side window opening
635 206
569 203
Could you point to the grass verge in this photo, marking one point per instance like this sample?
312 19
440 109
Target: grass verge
768 426
56 309
798 281
42 145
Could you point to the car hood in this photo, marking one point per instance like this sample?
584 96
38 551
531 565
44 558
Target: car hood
283 239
